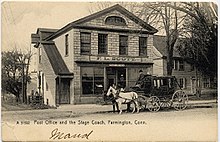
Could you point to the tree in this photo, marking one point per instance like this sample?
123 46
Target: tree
15 76
164 17
199 45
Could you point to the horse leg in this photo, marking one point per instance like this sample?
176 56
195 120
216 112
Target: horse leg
114 103
128 107
137 106
134 105
119 107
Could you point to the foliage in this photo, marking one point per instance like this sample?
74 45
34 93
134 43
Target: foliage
199 45
14 72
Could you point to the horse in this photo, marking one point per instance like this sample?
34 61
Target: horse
121 98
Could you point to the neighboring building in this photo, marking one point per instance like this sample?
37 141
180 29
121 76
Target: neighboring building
185 73
92 53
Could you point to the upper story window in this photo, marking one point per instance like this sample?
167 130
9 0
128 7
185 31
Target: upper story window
178 65
181 65
66 44
115 20
175 64
102 43
123 45
85 43
142 46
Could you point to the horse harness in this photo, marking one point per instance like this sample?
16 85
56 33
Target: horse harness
125 99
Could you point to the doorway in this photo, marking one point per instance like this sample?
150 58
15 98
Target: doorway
117 76
63 91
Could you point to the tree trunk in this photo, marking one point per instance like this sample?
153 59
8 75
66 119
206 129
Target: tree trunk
169 64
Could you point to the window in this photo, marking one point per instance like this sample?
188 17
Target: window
178 65
181 65
85 43
123 45
102 43
182 82
206 82
66 45
142 46
92 80
115 20
164 82
158 83
155 83
175 64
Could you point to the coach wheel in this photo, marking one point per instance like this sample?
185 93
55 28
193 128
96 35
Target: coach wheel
179 100
153 103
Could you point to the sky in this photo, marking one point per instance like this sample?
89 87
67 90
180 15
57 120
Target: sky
20 19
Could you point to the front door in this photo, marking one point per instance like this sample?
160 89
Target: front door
117 76
63 91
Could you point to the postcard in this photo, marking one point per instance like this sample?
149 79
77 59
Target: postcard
109 71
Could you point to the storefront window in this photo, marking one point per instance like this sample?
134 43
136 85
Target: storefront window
92 80
98 80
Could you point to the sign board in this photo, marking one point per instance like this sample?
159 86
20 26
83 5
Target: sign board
126 59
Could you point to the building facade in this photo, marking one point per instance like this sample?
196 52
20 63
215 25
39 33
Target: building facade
86 56
187 76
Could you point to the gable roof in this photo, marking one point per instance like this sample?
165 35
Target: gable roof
159 43
117 7
41 34
45 32
56 59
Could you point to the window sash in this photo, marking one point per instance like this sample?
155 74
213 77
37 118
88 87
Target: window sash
115 20
102 43
92 77
181 65
123 45
142 46
175 64
66 44
85 43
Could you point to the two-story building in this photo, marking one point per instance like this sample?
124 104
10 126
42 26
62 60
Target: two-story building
92 53
187 76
